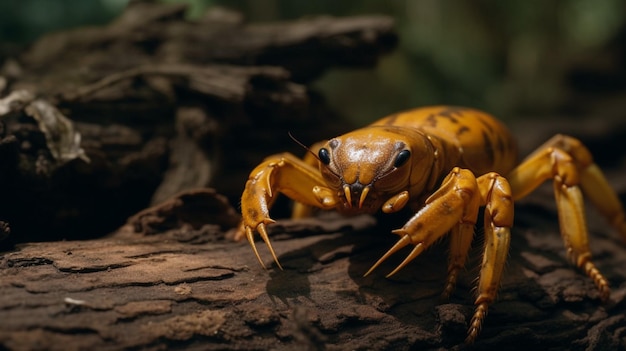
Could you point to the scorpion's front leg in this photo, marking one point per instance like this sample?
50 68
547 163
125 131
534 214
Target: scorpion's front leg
454 207
283 173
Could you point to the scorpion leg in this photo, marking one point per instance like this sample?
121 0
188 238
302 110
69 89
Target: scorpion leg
461 237
283 173
570 165
496 196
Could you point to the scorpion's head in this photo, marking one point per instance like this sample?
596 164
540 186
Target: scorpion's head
366 167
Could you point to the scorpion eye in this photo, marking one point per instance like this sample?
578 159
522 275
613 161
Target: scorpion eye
324 156
402 157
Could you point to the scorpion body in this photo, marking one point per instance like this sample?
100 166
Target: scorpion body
445 163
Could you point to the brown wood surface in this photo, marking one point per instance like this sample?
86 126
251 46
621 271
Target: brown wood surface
171 279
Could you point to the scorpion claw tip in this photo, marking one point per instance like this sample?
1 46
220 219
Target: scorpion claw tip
369 271
400 244
250 236
265 237
417 250
256 253
278 264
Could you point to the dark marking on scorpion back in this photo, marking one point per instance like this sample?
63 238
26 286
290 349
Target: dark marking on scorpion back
391 120
489 150
389 128
486 124
432 120
500 144
449 116
462 129
453 113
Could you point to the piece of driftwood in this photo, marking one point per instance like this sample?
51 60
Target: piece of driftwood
101 122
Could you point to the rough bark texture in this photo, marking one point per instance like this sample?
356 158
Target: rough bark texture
159 119
170 279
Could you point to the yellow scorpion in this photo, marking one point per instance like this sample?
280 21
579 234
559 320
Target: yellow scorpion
445 163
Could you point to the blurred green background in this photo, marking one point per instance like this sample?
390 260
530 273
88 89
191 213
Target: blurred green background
507 57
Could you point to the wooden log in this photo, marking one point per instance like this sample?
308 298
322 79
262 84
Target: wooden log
171 279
